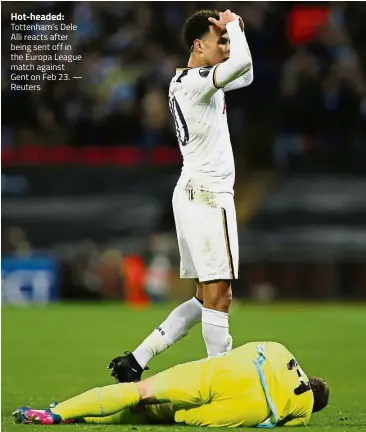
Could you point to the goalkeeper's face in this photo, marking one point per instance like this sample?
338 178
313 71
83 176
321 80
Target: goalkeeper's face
215 47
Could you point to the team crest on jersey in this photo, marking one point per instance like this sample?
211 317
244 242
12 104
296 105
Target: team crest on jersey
204 71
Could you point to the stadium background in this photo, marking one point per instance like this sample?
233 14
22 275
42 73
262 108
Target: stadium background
88 169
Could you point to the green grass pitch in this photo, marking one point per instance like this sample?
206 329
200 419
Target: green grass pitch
54 352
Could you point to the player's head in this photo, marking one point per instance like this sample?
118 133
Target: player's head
205 40
321 393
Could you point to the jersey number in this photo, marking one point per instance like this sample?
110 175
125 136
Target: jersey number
180 123
304 386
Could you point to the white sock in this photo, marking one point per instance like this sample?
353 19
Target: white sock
215 330
177 324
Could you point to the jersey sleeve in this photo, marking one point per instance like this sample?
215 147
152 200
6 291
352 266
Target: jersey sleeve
246 79
243 81
240 60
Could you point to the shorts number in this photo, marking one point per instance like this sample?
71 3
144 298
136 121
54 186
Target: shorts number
304 386
180 123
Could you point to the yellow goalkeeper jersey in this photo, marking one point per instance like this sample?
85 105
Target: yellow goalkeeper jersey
286 385
258 384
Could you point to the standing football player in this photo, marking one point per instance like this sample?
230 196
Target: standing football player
203 200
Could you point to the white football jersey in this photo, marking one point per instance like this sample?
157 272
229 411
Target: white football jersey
199 112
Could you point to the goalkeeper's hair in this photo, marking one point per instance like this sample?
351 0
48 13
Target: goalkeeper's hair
197 26
321 393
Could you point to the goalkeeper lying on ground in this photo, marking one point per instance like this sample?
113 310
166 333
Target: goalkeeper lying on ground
257 384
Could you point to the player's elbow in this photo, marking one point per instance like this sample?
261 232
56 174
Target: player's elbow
232 69
241 66
249 76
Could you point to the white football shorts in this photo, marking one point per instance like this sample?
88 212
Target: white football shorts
207 234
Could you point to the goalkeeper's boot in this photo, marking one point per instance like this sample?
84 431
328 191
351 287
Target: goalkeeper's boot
32 416
126 368
68 421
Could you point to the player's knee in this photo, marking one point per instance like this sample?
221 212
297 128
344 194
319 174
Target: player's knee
223 302
218 296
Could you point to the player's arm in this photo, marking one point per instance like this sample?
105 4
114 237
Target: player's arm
240 60
243 81
246 79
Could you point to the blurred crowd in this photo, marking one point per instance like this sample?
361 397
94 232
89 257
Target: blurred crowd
307 99
110 270
323 92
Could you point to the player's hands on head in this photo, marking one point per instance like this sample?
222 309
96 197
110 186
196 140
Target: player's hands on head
224 18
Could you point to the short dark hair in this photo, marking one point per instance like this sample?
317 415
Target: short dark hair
197 26
321 393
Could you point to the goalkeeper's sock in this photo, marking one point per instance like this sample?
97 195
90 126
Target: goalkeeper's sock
176 326
97 402
215 329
